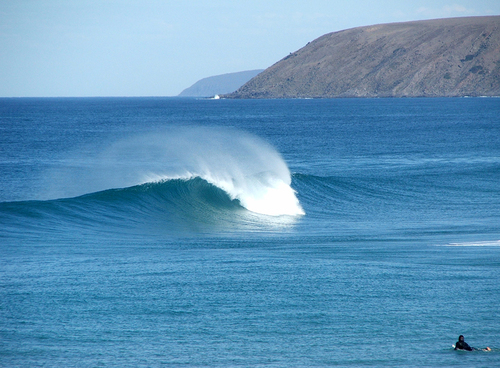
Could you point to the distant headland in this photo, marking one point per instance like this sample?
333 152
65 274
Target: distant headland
431 58
219 84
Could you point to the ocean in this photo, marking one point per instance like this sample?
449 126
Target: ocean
149 232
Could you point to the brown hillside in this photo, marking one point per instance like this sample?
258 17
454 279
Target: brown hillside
442 57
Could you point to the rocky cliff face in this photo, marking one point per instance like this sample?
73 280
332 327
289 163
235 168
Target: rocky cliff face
443 57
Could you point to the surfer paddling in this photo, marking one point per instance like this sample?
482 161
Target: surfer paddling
462 345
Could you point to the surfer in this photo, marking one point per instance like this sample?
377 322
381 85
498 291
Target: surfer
462 345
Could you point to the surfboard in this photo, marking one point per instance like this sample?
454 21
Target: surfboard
485 349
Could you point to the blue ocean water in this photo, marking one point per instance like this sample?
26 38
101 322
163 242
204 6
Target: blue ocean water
189 232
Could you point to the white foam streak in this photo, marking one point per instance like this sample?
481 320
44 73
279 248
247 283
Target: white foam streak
476 244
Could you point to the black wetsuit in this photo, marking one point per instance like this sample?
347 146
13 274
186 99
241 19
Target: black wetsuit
462 345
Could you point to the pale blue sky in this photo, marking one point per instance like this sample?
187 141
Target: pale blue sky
158 48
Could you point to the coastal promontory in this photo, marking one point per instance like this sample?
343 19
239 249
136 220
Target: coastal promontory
431 58
219 84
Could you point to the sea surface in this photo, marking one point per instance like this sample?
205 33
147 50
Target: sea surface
150 232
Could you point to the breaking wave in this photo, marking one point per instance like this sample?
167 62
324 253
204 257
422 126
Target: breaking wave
245 167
